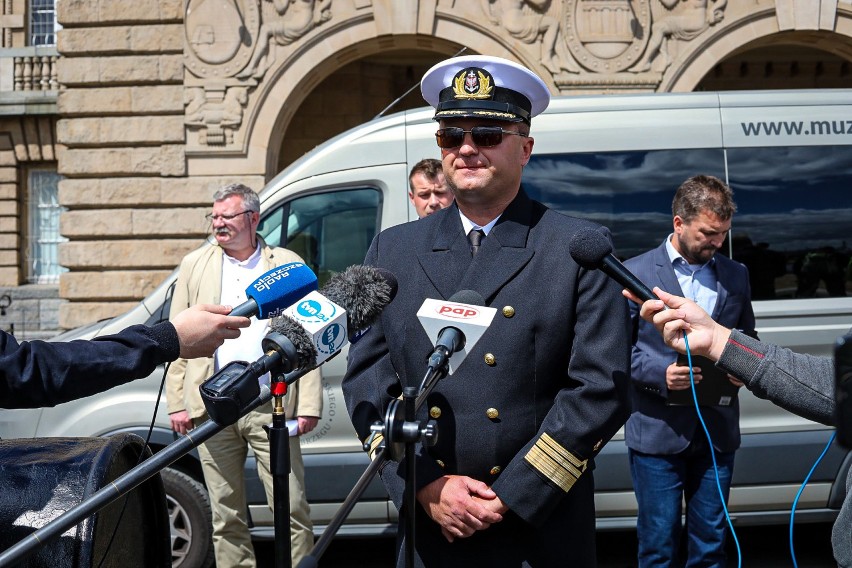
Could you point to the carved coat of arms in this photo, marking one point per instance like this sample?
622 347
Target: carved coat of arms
607 36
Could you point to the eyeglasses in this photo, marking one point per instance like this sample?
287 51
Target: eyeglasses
482 136
211 217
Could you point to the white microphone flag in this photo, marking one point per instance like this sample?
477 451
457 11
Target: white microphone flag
472 321
324 321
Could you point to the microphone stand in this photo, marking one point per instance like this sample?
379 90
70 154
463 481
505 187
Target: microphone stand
409 395
135 477
279 464
438 369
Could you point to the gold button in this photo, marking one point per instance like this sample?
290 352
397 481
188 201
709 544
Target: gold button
492 413
495 470
435 412
598 445
508 311
440 464
490 360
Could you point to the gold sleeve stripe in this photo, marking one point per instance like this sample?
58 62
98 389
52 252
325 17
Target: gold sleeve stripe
374 446
555 462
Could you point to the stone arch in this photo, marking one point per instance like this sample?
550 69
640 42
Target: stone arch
756 29
276 101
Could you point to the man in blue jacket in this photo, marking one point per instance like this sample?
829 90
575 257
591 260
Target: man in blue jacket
670 456
43 373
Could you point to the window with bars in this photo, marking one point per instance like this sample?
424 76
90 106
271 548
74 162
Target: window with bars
43 22
43 237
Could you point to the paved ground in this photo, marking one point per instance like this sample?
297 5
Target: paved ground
762 547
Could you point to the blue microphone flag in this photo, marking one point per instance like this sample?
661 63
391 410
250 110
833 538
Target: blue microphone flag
280 288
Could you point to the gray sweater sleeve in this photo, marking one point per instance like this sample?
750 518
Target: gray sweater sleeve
802 384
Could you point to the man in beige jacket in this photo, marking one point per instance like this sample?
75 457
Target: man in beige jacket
221 273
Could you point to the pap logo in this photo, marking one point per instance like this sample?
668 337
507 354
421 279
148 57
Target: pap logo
458 311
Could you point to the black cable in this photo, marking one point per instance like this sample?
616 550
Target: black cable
139 459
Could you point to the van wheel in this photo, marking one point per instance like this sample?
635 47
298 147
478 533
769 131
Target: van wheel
189 520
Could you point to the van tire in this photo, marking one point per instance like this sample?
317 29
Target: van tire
189 520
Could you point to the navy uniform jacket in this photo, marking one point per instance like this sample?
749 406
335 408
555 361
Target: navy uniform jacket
653 427
553 364
41 373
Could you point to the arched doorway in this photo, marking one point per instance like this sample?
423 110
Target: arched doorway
793 60
385 82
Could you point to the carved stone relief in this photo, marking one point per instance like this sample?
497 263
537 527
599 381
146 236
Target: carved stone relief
227 50
294 19
605 43
524 21
218 112
683 20
627 43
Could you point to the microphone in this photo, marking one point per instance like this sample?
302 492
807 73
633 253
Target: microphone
346 306
591 250
454 326
276 290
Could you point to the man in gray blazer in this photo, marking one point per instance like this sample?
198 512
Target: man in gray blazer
670 456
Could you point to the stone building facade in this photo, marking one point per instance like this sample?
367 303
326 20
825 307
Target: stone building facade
146 107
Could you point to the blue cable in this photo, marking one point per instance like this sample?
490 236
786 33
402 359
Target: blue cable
712 453
799 494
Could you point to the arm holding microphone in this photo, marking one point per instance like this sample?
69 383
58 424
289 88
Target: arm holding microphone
800 383
44 373
288 349
803 384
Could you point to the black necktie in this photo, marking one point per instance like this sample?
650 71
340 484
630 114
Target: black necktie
475 237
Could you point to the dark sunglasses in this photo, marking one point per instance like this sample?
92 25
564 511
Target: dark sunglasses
482 136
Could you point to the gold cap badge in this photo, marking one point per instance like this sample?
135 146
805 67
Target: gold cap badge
473 83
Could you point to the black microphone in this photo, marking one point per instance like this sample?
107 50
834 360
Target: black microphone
591 250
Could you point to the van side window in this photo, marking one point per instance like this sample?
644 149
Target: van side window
330 230
628 192
794 221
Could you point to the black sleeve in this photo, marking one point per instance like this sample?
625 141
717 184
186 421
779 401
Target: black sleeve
42 373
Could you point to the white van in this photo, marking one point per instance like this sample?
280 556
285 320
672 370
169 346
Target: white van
616 160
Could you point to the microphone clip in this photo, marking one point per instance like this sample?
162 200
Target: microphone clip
400 427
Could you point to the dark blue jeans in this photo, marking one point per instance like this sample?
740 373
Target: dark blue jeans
661 482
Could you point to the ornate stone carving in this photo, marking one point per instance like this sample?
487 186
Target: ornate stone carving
218 36
605 36
295 19
523 20
685 20
218 110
